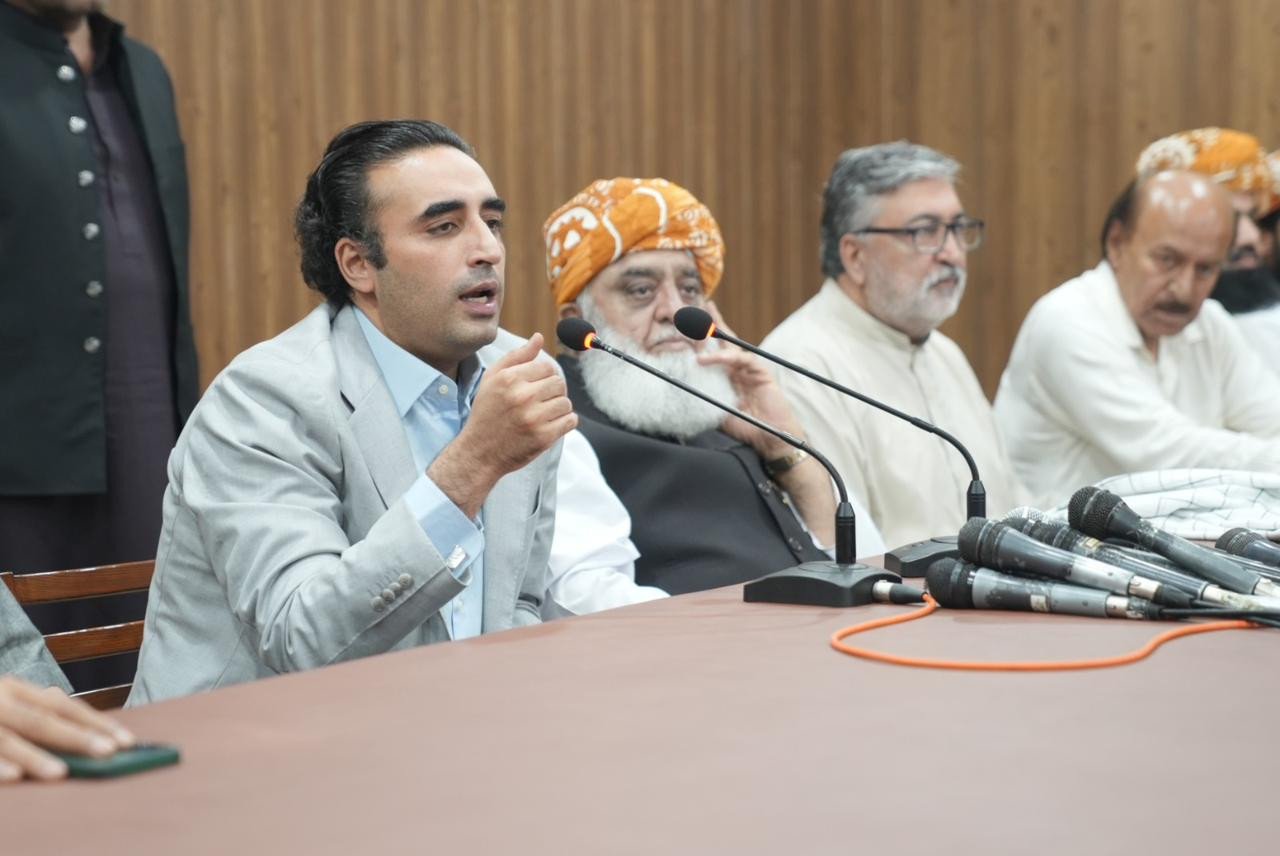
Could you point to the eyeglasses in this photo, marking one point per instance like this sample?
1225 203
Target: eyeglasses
930 237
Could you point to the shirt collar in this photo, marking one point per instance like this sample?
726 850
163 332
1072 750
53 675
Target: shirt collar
408 377
28 28
849 314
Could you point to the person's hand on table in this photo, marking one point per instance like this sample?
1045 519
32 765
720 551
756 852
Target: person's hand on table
33 720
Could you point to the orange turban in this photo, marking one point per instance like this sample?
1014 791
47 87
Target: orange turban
1272 204
1231 158
610 219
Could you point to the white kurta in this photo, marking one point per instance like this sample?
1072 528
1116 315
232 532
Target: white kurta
912 482
1083 399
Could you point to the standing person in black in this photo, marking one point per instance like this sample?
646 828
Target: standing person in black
100 365
713 501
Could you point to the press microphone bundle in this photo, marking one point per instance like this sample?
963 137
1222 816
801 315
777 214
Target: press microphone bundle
698 324
1102 514
844 582
1250 545
1064 537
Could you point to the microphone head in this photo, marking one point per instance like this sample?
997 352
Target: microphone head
976 537
695 323
1079 499
1235 539
1023 512
576 333
947 582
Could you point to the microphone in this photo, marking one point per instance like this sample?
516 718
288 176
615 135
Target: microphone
1102 514
1062 536
956 584
993 544
844 583
697 324
1249 545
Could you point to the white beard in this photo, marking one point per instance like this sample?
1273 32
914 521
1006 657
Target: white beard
640 402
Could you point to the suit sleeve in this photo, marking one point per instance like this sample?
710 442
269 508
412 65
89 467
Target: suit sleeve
263 475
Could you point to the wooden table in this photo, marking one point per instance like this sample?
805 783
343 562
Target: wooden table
702 724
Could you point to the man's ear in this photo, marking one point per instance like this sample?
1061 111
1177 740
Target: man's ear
1117 237
570 310
355 266
852 258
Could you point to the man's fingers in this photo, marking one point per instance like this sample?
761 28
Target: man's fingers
39 717
523 354
77 711
19 757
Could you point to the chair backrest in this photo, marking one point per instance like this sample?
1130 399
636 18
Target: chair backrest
88 644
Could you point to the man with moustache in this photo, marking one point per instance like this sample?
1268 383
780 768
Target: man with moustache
1128 367
381 475
713 501
1247 286
895 239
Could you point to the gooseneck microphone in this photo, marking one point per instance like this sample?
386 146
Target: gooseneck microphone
845 583
1249 545
956 584
698 324
993 544
1102 514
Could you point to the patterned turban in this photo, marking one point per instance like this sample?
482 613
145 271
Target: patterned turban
1231 158
1272 204
610 219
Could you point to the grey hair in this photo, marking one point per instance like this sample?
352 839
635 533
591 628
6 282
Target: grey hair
858 180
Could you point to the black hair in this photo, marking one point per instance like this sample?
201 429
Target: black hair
1123 213
336 202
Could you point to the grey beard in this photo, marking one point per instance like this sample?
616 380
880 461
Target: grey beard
640 402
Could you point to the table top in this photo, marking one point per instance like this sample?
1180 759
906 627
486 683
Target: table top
702 724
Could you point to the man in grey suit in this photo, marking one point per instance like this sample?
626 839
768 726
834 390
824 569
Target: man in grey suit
381 475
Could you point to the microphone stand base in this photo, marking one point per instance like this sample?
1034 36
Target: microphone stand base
913 560
818 584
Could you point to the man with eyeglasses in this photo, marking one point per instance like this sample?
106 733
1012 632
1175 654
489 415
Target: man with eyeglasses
894 243
1128 367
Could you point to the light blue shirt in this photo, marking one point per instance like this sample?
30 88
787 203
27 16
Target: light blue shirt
433 409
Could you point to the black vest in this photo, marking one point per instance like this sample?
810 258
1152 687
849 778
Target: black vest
703 512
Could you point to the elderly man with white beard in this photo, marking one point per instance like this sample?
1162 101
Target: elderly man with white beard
894 243
713 501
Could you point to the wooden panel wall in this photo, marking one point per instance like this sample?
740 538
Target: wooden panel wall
746 102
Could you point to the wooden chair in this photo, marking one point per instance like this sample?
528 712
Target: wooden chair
75 645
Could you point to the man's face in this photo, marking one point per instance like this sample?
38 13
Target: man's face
1247 249
911 291
1168 263
440 221
638 296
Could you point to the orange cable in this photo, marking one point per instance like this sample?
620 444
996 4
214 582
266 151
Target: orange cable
931 606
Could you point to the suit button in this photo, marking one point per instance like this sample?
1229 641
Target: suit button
388 596
94 288
405 580
92 344
90 231
793 544
66 73
84 177
77 125
377 604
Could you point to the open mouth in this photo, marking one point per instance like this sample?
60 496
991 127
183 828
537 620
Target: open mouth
481 295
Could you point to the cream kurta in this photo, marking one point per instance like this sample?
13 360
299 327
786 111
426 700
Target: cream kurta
912 482
1083 399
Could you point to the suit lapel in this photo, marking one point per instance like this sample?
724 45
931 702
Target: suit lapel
374 419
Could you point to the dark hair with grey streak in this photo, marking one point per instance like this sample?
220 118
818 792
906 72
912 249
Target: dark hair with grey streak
336 202
858 180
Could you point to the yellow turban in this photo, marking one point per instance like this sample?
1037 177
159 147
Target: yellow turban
610 219
1233 159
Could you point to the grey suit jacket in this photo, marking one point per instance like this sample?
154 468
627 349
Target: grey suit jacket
286 543
22 649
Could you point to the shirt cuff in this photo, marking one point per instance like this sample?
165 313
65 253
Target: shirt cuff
459 540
